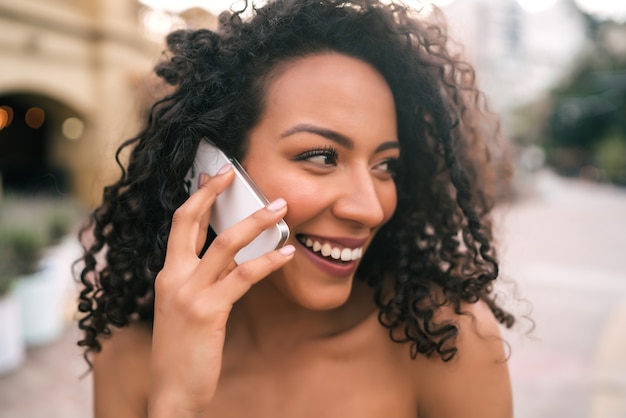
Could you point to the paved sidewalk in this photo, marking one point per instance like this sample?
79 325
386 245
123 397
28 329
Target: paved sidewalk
49 383
563 245
609 384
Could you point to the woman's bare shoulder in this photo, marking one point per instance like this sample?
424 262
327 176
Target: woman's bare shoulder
476 382
121 373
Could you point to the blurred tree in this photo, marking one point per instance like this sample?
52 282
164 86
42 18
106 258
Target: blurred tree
583 121
588 118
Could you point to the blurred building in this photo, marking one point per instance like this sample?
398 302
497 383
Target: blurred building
73 81
73 76
521 48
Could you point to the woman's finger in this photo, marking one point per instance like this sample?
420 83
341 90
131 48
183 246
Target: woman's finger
230 267
228 243
190 220
232 287
204 219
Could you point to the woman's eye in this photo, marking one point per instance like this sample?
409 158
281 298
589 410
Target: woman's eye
321 156
389 166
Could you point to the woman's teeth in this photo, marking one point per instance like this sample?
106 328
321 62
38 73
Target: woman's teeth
336 253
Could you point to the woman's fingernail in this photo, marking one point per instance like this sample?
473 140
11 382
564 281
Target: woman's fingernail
287 250
202 179
277 205
224 169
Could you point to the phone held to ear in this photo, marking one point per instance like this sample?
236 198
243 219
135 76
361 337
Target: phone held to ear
240 200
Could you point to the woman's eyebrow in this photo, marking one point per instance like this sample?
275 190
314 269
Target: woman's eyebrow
387 145
334 136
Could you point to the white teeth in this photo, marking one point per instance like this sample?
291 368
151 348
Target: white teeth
346 254
327 250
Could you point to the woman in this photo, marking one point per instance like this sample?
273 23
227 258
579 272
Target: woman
369 138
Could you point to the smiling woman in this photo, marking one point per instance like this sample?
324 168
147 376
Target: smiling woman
371 141
329 123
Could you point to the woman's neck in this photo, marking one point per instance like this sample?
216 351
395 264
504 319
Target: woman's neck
266 321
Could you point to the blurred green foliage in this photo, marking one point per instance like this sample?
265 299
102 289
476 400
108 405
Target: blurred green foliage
581 124
25 245
27 226
588 121
610 154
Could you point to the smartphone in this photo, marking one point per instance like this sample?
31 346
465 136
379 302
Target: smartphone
241 199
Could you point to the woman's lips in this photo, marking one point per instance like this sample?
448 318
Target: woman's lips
335 256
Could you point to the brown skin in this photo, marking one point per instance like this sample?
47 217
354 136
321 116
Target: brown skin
278 337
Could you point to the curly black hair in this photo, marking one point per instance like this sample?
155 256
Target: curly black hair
436 249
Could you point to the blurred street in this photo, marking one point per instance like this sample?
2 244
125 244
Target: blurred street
565 248
564 244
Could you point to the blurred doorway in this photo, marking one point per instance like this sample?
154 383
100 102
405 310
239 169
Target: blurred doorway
32 129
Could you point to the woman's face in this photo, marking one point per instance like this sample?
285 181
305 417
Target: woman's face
326 143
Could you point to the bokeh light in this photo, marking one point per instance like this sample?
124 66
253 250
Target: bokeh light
73 128
533 6
6 116
35 117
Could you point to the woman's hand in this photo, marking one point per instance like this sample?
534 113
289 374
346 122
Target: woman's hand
194 297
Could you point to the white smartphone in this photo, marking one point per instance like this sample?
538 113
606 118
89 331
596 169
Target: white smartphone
240 200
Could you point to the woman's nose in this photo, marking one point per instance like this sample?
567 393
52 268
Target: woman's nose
359 200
